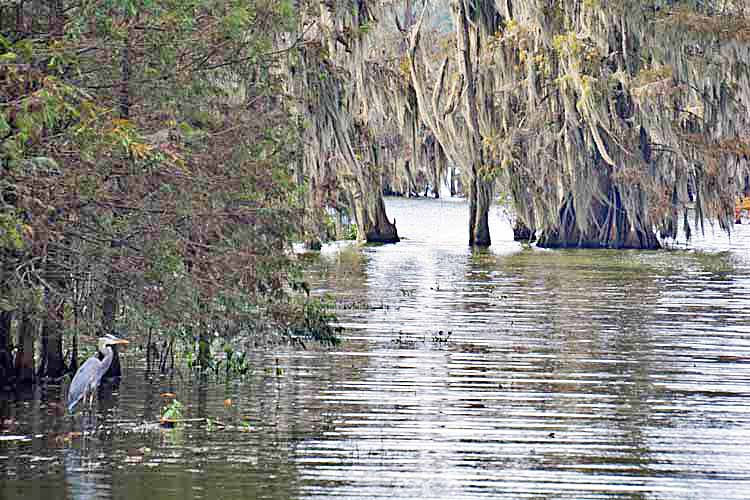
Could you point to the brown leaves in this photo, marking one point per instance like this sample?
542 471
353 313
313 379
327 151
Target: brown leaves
737 146
726 27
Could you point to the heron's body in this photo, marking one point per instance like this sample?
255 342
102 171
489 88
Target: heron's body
89 375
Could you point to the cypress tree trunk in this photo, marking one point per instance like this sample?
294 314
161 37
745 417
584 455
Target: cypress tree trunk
110 302
379 229
74 348
58 29
480 191
7 371
109 306
52 362
55 360
480 200
610 226
25 356
204 345
19 17
369 210
124 98
522 232
204 350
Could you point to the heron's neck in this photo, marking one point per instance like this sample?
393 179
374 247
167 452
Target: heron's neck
108 355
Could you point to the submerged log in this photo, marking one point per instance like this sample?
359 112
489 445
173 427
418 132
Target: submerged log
109 305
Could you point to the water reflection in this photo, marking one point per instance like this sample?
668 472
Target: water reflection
556 372
567 374
85 477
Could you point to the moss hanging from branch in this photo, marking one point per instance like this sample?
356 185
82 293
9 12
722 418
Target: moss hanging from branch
604 121
360 112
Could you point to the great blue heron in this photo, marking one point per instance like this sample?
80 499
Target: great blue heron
87 378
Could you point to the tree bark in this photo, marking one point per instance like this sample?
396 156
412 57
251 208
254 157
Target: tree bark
204 349
480 201
612 227
124 98
109 306
480 191
6 318
522 232
20 28
380 229
7 371
25 355
373 225
52 361
369 207
58 29
408 14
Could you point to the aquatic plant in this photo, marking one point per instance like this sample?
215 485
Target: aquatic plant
318 323
172 413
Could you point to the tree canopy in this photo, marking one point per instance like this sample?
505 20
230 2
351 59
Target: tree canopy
145 153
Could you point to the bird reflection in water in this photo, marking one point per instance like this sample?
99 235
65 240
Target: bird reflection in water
86 476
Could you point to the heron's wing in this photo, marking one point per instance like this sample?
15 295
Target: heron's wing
81 380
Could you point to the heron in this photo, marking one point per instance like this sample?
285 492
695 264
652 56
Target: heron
89 375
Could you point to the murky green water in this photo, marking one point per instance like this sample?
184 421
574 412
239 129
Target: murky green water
558 374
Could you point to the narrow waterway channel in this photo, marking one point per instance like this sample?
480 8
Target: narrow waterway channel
510 373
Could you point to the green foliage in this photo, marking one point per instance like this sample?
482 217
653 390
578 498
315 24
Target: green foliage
145 149
173 411
11 229
352 232
317 322
166 261
235 363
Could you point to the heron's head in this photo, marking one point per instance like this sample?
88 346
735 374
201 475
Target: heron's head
110 339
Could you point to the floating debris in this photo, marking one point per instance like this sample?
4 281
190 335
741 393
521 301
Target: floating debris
441 338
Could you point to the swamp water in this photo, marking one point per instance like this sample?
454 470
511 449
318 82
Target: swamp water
513 373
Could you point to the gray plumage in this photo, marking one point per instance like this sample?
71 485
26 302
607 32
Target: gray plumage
86 380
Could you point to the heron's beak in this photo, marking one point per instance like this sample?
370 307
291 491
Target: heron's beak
112 340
